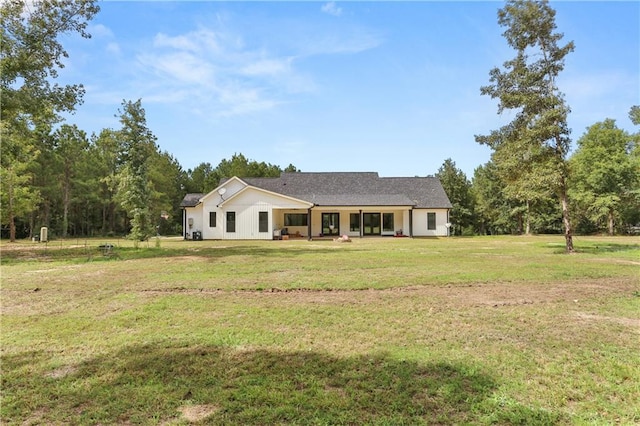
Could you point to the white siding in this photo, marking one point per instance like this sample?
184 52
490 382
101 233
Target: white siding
193 220
420 223
247 207
210 204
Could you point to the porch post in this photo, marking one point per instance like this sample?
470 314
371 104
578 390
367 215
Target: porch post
184 224
411 222
361 224
309 237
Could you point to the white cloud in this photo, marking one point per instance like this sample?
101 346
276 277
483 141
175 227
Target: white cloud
240 100
268 67
216 71
113 48
196 41
100 30
331 8
181 67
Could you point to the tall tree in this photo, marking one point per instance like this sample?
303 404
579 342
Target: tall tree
603 174
533 147
634 114
31 54
165 175
202 178
104 159
135 188
18 196
458 189
493 210
30 57
240 166
71 145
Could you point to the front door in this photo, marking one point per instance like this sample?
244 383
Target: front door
330 223
371 224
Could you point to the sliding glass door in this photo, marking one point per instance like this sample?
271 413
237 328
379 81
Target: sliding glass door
330 224
371 224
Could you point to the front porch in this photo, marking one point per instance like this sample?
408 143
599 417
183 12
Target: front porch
332 222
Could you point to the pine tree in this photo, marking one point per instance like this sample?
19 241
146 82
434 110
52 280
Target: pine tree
531 151
134 189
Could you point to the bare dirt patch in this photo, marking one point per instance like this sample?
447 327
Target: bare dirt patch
494 294
61 372
629 322
196 413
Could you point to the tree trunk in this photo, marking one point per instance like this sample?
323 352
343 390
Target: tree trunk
12 227
65 212
66 197
12 216
568 232
528 223
611 223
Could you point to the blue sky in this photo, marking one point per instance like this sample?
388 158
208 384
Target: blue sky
391 87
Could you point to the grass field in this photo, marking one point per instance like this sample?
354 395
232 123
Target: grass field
485 330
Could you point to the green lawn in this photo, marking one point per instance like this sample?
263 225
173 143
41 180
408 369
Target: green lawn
384 331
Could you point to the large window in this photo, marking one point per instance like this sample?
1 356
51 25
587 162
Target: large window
387 222
263 221
212 219
295 219
354 222
431 221
231 221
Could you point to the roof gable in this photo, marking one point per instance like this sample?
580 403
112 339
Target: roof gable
294 202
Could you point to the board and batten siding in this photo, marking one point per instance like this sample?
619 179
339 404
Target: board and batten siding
420 223
247 207
193 220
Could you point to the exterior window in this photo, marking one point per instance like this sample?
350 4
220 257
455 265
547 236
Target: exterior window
431 221
354 222
295 219
212 219
387 222
263 221
231 221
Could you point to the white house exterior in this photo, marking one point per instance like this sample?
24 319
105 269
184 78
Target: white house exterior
312 205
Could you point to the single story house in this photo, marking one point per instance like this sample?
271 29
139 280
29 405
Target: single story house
358 204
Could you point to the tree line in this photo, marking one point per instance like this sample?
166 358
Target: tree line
119 182
603 182
114 183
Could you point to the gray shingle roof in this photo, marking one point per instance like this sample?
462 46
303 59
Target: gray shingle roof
191 200
357 189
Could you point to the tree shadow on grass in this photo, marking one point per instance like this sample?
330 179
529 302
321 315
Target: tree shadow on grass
93 252
150 384
599 248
